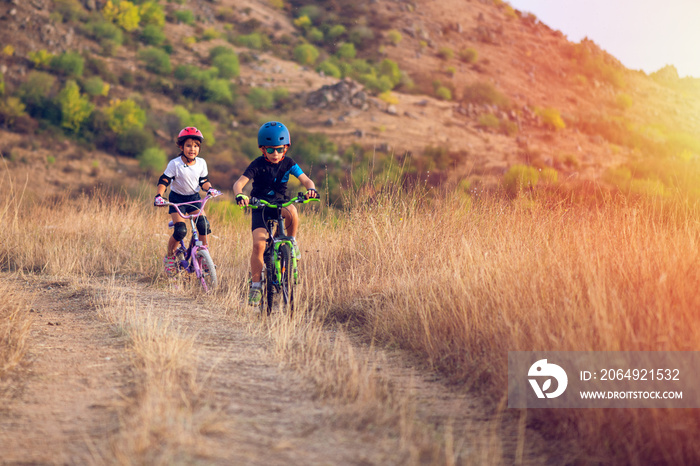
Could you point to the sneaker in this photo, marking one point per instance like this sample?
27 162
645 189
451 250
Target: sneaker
170 264
255 296
295 249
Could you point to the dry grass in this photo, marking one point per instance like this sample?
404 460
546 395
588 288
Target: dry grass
457 282
162 420
15 322
462 284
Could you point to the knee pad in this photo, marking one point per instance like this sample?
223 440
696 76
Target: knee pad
180 231
203 226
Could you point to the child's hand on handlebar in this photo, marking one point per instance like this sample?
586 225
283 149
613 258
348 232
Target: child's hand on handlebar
242 200
159 201
311 194
214 192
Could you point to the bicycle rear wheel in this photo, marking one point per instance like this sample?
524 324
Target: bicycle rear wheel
287 277
207 269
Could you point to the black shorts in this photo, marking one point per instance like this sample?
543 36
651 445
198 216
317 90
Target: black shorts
259 217
176 198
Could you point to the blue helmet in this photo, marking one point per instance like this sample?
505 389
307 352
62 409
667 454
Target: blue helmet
274 133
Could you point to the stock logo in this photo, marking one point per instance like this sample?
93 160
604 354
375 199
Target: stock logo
543 369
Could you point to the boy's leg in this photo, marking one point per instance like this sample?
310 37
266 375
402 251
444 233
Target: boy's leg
256 257
291 220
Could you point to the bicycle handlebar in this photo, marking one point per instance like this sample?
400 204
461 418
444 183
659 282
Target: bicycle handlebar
203 201
260 203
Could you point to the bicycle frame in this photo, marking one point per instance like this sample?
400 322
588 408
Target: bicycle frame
277 237
189 253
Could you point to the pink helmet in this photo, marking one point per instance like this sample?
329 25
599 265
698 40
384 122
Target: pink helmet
187 133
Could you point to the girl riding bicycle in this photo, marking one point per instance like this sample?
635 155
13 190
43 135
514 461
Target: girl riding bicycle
270 174
188 174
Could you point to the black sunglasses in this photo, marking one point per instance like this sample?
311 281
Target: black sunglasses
272 150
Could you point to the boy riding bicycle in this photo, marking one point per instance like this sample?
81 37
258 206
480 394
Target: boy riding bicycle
270 174
188 174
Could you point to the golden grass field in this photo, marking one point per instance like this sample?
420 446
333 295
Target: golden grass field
452 280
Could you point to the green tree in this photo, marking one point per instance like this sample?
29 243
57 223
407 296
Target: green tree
68 63
306 54
227 64
156 60
123 115
123 13
152 159
75 109
152 14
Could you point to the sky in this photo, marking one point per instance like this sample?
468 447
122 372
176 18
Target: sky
643 34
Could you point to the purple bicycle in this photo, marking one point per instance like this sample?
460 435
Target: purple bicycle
195 258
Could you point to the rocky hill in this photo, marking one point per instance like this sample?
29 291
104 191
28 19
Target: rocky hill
466 90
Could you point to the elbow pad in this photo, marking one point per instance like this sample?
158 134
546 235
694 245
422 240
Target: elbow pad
202 180
164 180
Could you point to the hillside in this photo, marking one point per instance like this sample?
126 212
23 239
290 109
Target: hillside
466 89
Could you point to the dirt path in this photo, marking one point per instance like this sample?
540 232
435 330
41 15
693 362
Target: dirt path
65 404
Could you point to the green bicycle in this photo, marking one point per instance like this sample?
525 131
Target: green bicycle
280 271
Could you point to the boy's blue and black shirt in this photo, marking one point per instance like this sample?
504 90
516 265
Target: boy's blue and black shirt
269 179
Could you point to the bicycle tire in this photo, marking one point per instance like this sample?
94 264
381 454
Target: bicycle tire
208 269
269 290
286 277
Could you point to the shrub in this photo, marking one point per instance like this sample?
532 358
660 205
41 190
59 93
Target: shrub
389 97
346 50
468 55
394 37
623 101
104 30
132 141
41 58
69 10
75 109
551 118
68 63
124 14
152 14
36 88
152 35
329 69
335 33
210 34
518 178
185 16
549 176
489 121
227 64
443 93
391 70
260 99
218 91
314 35
254 41
156 60
303 22
445 53
484 93
95 87
11 110
124 115
361 36
306 54
153 159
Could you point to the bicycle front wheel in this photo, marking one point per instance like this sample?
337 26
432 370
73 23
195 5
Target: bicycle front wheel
287 276
207 270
